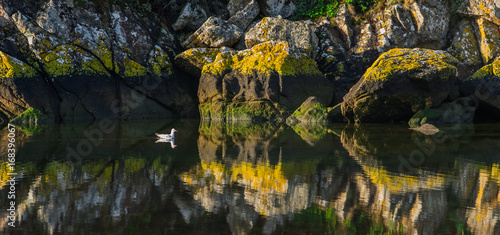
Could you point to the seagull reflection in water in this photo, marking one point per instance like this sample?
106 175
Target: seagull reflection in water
171 141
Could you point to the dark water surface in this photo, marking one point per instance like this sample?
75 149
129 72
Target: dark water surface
112 178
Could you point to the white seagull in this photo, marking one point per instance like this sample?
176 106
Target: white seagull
170 136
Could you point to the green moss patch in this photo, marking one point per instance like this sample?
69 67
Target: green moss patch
29 116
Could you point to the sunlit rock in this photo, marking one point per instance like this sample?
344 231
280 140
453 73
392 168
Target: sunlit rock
400 83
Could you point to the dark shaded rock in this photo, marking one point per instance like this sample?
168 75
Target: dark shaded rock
273 8
192 17
400 83
335 114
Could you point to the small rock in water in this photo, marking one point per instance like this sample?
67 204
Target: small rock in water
427 129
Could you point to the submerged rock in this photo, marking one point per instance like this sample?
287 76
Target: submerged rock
299 34
260 83
426 129
460 111
214 32
400 83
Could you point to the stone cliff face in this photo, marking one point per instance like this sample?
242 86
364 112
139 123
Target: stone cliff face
78 62
236 60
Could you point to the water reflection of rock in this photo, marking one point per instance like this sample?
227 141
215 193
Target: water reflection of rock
236 175
258 179
418 200
68 196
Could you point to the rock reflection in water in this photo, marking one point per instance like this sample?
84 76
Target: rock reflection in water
259 179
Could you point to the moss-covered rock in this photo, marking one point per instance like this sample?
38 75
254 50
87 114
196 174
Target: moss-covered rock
400 83
312 110
273 73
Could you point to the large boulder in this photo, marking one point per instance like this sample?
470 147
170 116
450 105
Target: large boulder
485 86
214 32
262 83
242 18
464 45
191 18
400 83
297 33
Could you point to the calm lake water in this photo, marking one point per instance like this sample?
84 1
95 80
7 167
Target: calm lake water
259 179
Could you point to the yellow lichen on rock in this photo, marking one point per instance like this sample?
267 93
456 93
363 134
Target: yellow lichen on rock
160 62
193 60
133 69
266 58
59 61
489 39
417 63
492 69
11 67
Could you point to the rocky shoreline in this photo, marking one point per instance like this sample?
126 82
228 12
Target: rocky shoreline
434 62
